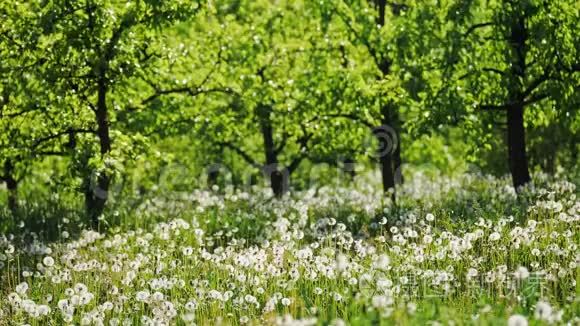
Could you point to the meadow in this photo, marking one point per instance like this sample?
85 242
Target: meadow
289 162
453 251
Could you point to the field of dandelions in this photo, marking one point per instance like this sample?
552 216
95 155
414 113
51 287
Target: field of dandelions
462 250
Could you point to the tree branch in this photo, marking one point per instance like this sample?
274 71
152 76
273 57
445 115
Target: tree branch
536 83
361 39
497 71
296 162
472 28
17 114
39 141
240 152
536 98
51 153
491 107
303 145
282 144
349 116
109 53
188 90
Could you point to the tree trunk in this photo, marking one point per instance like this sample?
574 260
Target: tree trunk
518 161
573 145
388 177
11 186
397 161
279 183
212 177
550 152
386 138
391 159
96 196
278 177
349 167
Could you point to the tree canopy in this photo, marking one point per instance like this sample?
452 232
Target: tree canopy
95 87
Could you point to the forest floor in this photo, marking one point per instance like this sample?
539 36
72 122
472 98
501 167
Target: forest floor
465 250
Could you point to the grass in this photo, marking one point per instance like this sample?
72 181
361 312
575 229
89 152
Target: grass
343 255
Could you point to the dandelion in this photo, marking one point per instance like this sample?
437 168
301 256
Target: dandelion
22 288
190 305
187 251
43 310
9 249
494 236
521 273
341 262
411 308
48 261
142 296
543 311
381 262
471 273
85 298
286 302
188 317
517 320
80 288
381 301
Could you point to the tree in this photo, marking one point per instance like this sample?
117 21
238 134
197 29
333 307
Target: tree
90 50
274 65
18 109
375 26
513 58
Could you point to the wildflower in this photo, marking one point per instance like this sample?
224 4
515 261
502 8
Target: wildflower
22 288
9 250
494 236
381 262
521 273
142 296
85 298
191 305
517 320
43 310
543 310
80 288
48 261
411 308
381 301
187 251
188 317
286 302
471 273
341 262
